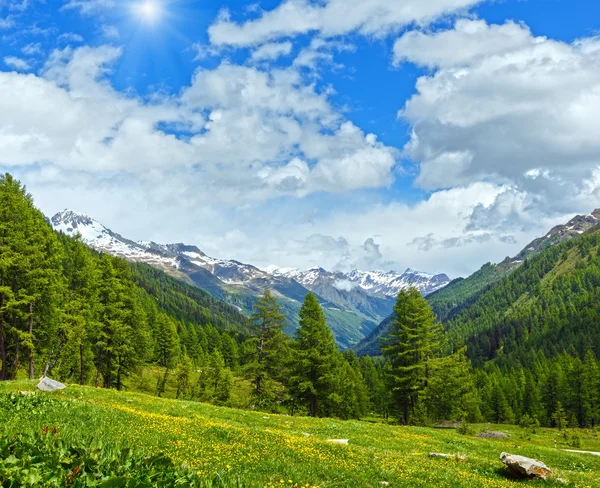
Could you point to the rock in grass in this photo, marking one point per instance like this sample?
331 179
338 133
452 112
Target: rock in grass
46 384
458 457
525 467
493 435
338 441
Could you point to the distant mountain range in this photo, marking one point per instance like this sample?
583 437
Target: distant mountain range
355 302
461 293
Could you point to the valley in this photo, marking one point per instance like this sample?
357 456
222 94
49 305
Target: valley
354 302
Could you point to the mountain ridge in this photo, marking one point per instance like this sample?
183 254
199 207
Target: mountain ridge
355 302
460 293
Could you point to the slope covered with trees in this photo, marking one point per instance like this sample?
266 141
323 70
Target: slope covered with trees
93 319
90 318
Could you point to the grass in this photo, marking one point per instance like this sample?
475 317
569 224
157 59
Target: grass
265 450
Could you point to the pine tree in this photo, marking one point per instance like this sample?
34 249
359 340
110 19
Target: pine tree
267 347
414 339
559 417
183 375
314 356
450 393
29 279
590 390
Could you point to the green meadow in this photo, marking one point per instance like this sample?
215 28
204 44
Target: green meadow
85 437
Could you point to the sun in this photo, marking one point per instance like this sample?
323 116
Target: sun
149 11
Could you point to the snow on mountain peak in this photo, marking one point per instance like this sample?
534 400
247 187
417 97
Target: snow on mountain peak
383 283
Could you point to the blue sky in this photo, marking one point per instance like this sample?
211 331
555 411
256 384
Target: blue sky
449 133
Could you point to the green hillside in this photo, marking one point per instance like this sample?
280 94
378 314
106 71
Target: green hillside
548 305
462 293
227 448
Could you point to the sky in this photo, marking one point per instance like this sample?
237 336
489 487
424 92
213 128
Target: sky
369 134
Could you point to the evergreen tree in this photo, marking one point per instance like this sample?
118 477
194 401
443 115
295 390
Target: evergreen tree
267 347
590 390
450 393
183 375
413 342
314 357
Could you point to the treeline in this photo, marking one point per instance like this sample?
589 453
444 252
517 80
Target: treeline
83 317
550 304
557 392
90 318
94 319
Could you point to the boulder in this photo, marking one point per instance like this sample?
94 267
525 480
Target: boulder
493 435
525 467
338 441
46 384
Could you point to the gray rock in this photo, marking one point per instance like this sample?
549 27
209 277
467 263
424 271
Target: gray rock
46 384
493 435
457 457
525 467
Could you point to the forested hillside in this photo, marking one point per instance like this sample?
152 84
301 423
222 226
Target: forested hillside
94 319
69 311
461 293
91 318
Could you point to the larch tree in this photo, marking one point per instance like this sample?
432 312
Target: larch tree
267 346
315 355
413 341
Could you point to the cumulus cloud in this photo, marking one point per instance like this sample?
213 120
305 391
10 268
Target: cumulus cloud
331 18
248 134
272 51
320 52
504 106
32 49
6 22
70 37
16 63
344 285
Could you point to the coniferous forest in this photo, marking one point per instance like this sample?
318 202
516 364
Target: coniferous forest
523 349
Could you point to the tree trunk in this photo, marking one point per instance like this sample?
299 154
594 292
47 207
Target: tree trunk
81 365
2 350
98 366
16 361
32 352
119 378
51 364
313 405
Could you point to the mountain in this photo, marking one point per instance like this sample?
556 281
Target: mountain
379 283
462 293
354 302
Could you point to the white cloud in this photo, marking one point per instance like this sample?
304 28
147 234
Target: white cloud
469 41
250 135
331 18
319 52
504 106
344 285
6 22
17 64
272 51
70 37
88 7
32 49
109 31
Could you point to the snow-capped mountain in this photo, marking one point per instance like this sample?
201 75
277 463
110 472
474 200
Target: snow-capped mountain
373 282
354 302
